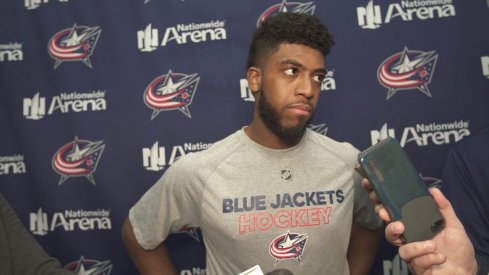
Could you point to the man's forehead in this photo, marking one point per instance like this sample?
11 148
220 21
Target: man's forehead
299 53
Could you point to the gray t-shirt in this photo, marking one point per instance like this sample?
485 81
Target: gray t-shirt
290 208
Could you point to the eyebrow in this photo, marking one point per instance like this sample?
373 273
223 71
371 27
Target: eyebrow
300 65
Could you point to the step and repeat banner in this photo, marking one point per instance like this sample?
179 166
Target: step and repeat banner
100 97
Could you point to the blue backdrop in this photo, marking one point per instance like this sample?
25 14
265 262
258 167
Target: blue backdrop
99 98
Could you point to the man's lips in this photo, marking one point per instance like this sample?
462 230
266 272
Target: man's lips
301 108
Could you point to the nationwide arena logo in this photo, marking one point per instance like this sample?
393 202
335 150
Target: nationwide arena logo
424 134
12 165
370 16
288 246
395 266
407 70
35 107
172 91
34 4
78 158
485 65
74 44
11 52
156 158
148 39
90 267
295 7
319 128
69 220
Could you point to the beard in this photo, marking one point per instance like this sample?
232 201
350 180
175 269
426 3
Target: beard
272 119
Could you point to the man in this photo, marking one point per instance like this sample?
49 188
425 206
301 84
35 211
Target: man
466 185
20 253
273 194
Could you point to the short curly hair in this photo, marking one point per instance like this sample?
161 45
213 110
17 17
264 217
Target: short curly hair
287 27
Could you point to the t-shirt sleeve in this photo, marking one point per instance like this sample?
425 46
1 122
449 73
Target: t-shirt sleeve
170 205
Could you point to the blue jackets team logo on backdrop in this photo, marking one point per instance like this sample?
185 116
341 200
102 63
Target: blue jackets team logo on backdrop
78 158
285 6
172 91
288 246
74 44
407 70
90 266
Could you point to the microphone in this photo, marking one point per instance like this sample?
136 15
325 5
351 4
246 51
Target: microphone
280 271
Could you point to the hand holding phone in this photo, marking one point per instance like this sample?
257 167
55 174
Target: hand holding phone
401 189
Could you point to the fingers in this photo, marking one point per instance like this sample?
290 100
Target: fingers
393 232
421 255
371 193
366 185
444 205
382 212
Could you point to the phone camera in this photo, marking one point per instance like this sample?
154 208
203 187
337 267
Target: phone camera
436 226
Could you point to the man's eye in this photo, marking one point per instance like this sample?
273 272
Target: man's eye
291 71
319 78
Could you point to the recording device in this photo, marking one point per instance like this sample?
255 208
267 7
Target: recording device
401 190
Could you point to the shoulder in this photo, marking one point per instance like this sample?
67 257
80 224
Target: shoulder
473 146
342 150
212 156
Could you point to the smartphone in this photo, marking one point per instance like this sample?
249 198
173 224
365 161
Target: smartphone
401 189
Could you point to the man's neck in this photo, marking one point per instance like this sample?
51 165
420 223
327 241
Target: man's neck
259 133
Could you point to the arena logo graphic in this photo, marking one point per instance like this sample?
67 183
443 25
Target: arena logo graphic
155 157
295 7
288 246
370 16
34 4
35 108
319 128
74 44
172 91
89 266
148 39
485 65
11 52
78 158
70 220
12 165
193 271
426 134
328 85
396 266
407 70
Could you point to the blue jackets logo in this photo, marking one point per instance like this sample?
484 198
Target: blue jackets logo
74 44
407 70
288 246
90 266
296 7
172 91
78 158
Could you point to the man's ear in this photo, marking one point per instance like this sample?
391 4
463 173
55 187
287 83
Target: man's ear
254 79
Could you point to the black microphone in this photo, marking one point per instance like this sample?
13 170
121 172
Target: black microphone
280 271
